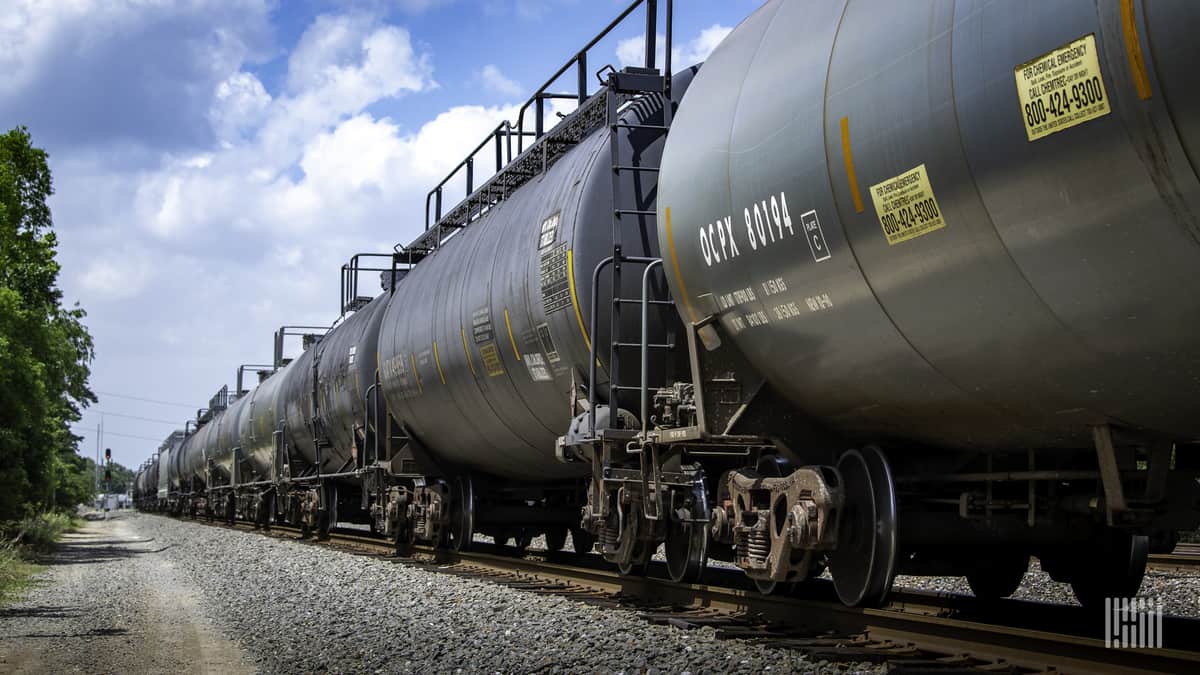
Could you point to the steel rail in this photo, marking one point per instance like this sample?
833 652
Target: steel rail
1185 558
939 630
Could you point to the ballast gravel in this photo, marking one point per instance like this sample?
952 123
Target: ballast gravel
1176 590
295 607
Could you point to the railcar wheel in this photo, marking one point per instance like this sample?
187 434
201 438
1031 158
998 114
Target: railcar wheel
998 576
686 548
404 541
327 516
769 586
864 562
582 541
638 562
639 556
462 515
556 539
1113 571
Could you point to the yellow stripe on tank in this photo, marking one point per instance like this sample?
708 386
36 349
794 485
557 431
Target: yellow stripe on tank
466 350
438 360
1133 51
575 299
510 335
851 176
687 300
416 375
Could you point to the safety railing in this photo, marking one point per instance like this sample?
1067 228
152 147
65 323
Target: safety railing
440 225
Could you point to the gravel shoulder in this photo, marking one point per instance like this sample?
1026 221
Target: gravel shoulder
296 607
113 601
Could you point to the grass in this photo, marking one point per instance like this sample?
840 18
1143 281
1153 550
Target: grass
22 540
15 572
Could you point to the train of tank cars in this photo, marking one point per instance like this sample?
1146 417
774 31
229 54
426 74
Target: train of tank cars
900 288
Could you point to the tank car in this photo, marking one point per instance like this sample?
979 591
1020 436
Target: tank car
884 288
957 238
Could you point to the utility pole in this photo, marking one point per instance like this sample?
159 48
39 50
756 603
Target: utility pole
96 467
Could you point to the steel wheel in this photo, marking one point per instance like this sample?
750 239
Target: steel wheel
686 548
462 515
1113 571
768 586
582 541
639 557
639 561
998 576
556 539
864 562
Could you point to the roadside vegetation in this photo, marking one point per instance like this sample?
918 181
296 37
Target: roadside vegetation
45 358
23 541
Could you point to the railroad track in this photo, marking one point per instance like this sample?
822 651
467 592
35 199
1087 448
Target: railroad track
1185 557
915 632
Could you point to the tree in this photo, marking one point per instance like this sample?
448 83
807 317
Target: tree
45 350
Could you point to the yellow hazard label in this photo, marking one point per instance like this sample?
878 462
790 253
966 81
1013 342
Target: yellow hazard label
491 359
906 206
1061 89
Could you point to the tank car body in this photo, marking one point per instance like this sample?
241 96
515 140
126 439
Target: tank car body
323 397
1052 290
484 346
259 426
162 467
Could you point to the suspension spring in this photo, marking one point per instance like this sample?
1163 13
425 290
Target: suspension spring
758 544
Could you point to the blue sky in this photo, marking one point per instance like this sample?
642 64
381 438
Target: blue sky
216 161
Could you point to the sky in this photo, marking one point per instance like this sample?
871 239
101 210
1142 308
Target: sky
215 162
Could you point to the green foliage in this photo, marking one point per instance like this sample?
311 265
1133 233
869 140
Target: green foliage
39 532
45 350
122 479
24 539
14 572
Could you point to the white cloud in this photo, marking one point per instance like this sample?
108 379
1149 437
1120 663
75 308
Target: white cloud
494 80
75 70
632 51
342 65
239 106
120 274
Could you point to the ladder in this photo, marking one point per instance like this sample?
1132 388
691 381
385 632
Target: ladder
622 85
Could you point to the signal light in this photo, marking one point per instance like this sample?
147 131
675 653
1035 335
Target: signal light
108 474
108 454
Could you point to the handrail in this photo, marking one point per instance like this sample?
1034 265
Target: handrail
645 342
580 60
506 130
283 332
592 359
242 369
350 273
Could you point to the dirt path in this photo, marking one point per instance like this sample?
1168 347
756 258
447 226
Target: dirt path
109 603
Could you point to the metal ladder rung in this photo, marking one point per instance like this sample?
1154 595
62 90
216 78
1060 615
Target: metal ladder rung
638 345
634 301
624 387
649 169
638 212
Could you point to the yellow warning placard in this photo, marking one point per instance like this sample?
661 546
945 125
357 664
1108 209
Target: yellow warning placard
906 206
1061 89
491 359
